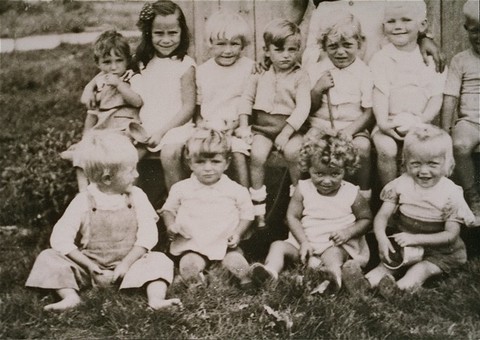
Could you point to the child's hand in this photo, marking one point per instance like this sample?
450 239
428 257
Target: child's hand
244 133
281 140
384 246
325 82
405 239
340 237
233 240
94 269
112 79
306 251
119 272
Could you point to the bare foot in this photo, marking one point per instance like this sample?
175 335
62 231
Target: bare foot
157 304
69 302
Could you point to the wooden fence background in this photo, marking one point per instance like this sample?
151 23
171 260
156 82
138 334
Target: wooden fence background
445 22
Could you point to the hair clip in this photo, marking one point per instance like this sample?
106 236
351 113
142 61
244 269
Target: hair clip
147 13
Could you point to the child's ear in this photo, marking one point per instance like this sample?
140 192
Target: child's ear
266 50
229 160
423 26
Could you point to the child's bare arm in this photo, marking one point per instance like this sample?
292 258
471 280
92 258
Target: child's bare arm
365 121
379 226
429 48
363 223
381 112
449 108
122 268
321 86
238 232
129 95
294 215
432 109
448 236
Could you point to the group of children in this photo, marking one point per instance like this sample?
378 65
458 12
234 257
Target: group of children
320 115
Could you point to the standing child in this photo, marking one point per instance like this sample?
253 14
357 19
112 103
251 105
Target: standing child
167 84
406 91
342 90
221 81
428 208
463 87
106 233
207 214
111 102
327 216
280 101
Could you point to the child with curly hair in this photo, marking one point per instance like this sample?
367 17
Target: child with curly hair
327 216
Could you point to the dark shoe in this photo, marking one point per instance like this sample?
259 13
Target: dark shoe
353 279
261 274
388 289
473 200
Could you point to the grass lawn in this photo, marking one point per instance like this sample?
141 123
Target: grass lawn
41 115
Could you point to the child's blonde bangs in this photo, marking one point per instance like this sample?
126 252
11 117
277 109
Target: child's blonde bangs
207 143
471 10
417 7
340 25
227 25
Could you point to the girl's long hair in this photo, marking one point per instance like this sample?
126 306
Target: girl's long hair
145 50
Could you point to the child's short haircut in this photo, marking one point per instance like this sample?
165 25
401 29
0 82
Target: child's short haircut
277 31
340 25
207 143
108 41
104 153
471 9
333 151
415 6
426 138
227 25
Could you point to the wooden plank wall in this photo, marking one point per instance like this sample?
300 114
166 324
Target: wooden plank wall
445 22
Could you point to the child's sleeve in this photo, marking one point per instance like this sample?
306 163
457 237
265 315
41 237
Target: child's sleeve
390 193
66 229
302 101
147 233
244 204
247 99
136 84
366 88
453 83
456 209
437 85
378 67
172 204
199 81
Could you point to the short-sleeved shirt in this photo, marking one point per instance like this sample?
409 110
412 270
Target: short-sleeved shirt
463 82
440 203
405 79
279 93
219 88
352 92
160 89
208 213
66 229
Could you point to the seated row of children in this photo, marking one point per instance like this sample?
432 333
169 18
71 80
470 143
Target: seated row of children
255 113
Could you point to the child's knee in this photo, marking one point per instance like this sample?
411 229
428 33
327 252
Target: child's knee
191 264
363 146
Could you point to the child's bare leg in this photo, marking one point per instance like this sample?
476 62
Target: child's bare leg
240 169
82 180
70 299
417 274
156 293
363 145
387 150
291 153
235 263
376 274
275 260
171 158
190 266
333 258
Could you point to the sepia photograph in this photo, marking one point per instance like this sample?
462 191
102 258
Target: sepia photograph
240 169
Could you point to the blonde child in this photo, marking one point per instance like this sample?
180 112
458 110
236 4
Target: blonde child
207 214
406 91
428 209
463 87
327 216
279 102
106 233
342 89
167 83
221 81
111 102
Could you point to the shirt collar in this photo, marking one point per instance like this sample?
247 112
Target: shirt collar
196 184
398 55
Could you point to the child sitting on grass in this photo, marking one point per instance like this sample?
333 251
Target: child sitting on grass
107 231
207 214
463 87
406 91
279 102
221 81
111 102
428 209
327 217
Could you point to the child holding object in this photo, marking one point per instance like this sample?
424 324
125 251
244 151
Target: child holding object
207 214
111 101
327 217
221 81
462 91
406 91
428 209
342 87
278 102
106 233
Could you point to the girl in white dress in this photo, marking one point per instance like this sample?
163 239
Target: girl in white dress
327 216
